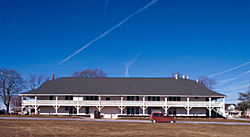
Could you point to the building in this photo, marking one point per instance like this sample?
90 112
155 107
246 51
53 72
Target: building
231 110
118 97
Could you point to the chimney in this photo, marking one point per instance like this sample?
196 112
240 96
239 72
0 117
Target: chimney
187 77
53 76
183 76
197 80
176 76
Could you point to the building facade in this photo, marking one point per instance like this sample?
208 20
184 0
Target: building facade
231 110
118 97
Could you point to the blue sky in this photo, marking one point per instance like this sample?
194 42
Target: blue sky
192 37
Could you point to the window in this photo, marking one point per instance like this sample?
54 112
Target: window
137 98
87 97
132 98
68 97
66 108
107 98
50 97
128 98
153 98
137 111
196 97
91 97
166 115
132 110
95 97
157 115
87 110
128 111
158 98
149 98
149 111
174 98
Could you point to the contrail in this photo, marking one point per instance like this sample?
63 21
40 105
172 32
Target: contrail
229 69
231 79
105 8
128 64
111 29
16 26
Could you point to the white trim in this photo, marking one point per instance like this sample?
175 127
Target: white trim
120 95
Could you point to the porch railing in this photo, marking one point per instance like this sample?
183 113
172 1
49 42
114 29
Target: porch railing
123 103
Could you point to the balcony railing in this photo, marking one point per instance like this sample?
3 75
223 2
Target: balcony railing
123 103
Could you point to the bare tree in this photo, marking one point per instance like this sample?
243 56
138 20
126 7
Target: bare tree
11 83
36 81
87 73
208 82
16 103
76 74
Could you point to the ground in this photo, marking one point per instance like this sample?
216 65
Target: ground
84 128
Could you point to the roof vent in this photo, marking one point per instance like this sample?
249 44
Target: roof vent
187 77
176 76
53 76
183 76
197 80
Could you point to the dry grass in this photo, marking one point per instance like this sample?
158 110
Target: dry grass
43 116
191 119
80 128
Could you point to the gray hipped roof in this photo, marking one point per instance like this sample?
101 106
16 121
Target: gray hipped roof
125 86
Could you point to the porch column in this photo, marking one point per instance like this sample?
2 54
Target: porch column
56 104
99 109
77 108
29 110
210 108
22 106
35 105
122 105
166 103
188 108
223 107
143 110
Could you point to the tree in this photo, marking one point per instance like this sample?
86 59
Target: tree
244 99
11 83
36 81
208 82
88 73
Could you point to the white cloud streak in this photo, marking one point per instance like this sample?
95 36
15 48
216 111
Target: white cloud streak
105 8
234 88
16 26
111 29
128 64
243 82
231 79
216 74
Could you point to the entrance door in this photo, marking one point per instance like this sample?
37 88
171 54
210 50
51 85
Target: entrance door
172 111
70 110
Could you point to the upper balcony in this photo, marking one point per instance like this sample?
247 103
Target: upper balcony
122 103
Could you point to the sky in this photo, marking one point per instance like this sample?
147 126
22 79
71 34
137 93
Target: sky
192 37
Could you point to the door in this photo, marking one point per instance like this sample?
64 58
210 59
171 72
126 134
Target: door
172 111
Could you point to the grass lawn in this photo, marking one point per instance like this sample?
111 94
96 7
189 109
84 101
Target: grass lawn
82 128
192 119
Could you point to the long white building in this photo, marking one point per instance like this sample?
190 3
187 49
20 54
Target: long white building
118 97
